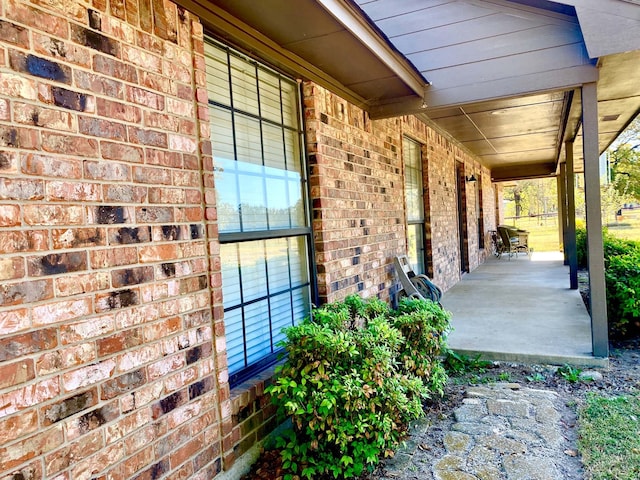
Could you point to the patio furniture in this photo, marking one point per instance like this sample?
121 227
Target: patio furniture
415 285
514 240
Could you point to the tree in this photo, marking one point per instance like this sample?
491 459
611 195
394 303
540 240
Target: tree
624 162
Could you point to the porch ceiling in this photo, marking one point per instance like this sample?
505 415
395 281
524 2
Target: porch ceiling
501 76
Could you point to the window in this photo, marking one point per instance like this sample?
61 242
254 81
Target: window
414 200
262 216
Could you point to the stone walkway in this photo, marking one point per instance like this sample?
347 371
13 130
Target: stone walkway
500 432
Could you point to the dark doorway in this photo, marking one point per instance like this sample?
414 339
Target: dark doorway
462 218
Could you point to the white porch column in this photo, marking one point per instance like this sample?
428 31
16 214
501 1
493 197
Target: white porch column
595 249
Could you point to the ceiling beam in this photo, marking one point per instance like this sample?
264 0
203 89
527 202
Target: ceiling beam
561 79
523 172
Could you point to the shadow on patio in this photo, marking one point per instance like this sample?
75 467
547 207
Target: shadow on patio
521 310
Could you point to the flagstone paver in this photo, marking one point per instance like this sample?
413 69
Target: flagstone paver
500 432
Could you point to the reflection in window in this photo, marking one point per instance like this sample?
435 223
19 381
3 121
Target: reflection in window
261 202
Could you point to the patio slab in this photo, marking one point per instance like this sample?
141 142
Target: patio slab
521 310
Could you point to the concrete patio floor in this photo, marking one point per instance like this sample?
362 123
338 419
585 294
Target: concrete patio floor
521 310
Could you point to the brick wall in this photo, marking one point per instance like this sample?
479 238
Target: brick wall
357 190
112 346
107 363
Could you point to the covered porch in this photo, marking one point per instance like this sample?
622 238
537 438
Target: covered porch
521 310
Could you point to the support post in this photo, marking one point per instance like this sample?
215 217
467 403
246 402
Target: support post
562 210
597 290
570 245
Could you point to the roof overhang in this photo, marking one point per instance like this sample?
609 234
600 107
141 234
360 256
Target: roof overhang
504 76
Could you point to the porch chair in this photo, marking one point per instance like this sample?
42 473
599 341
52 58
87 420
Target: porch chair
514 240
415 286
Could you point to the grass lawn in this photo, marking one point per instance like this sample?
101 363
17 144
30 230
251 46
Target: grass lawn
543 231
628 226
609 430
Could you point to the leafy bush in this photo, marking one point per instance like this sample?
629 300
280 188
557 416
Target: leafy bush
355 376
622 276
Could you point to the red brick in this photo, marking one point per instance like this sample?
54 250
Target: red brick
114 68
124 383
167 195
65 358
18 86
28 396
154 215
146 60
157 253
61 311
69 285
105 458
74 452
157 83
124 340
90 421
42 442
19 189
11 322
166 366
18 137
121 152
17 426
5 109
8 162
182 143
11 268
14 34
88 375
145 97
77 12
118 111
150 175
86 330
25 292
9 215
117 299
13 241
68 191
67 51
138 461
57 263
98 127
78 237
12 374
137 358
161 121
151 138
50 166
183 108
98 84
125 193
70 145
108 171
50 215
41 117
113 257
159 330
186 451
67 407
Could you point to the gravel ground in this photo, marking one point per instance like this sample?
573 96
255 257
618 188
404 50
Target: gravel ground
622 377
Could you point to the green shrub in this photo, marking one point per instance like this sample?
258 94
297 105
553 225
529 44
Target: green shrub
622 276
350 387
